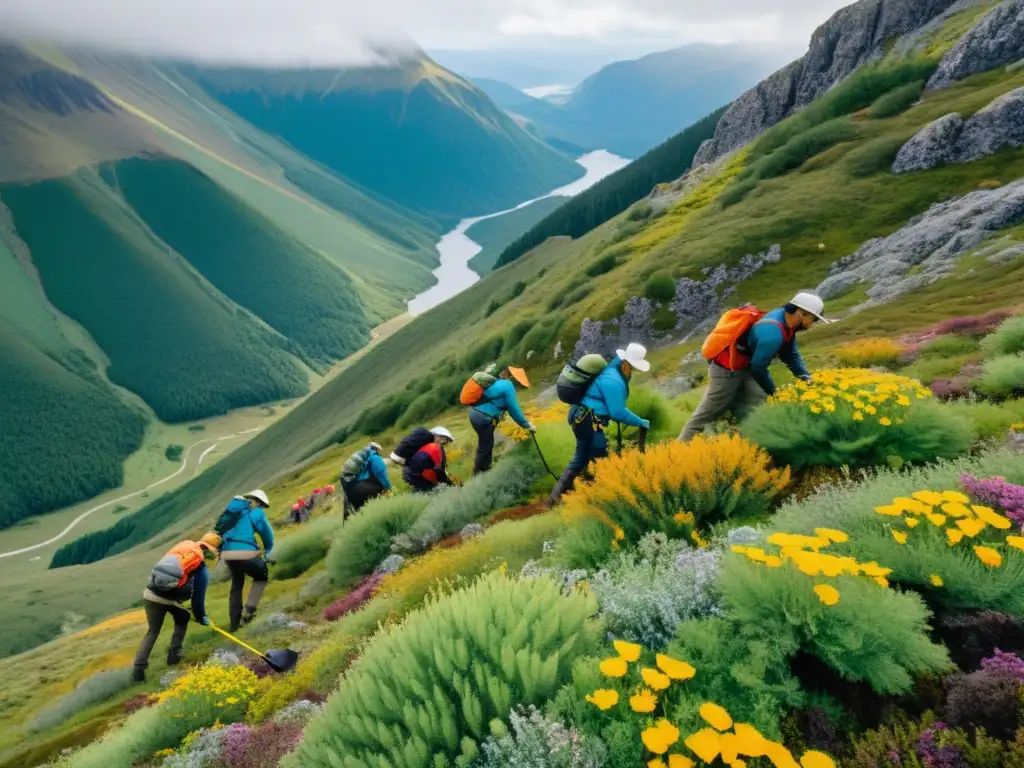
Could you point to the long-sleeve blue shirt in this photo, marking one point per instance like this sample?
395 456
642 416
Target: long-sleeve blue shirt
607 397
499 398
250 522
377 469
765 342
200 581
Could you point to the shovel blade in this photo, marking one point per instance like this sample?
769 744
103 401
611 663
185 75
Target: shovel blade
281 661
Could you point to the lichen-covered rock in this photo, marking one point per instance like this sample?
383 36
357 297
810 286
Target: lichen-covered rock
929 246
274 622
471 530
995 41
999 125
391 564
934 145
225 657
853 36
951 139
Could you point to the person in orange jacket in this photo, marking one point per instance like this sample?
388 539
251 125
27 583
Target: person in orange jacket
428 467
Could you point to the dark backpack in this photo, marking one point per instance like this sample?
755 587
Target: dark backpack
230 516
411 443
355 465
576 378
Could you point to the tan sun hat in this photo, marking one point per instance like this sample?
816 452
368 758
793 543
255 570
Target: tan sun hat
259 497
519 375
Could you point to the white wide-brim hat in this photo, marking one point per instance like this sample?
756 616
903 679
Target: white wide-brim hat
636 356
812 303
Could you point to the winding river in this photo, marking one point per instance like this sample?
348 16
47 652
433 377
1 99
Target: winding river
456 249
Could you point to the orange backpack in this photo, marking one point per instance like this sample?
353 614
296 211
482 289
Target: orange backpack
190 557
472 393
730 329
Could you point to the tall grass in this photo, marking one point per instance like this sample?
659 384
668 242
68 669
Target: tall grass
97 688
1008 339
1002 376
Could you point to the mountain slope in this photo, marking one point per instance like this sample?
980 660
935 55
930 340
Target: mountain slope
404 131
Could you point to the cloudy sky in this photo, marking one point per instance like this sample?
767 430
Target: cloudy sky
337 31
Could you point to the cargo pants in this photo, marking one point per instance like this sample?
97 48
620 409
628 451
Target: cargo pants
734 391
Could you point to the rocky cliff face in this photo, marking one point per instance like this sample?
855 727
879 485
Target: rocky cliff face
852 37
997 40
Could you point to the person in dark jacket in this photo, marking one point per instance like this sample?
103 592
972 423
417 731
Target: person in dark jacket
428 467
186 563
604 403
499 399
751 383
371 480
242 554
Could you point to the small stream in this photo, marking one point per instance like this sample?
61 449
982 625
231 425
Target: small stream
456 249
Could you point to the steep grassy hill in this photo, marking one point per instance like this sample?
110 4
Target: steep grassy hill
404 131
817 193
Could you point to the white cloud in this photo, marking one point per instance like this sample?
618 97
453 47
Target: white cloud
341 31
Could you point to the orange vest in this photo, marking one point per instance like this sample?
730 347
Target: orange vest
190 555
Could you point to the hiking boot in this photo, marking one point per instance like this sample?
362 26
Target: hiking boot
565 483
173 658
248 615
138 675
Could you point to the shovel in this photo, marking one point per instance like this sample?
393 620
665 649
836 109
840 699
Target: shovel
279 661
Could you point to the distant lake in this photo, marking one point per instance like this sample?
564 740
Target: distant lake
456 249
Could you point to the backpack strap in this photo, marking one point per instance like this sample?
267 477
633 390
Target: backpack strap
248 514
787 333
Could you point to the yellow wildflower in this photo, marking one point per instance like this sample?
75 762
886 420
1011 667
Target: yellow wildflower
989 556
890 510
750 742
815 759
827 594
715 716
954 536
885 421
644 702
858 416
912 522
656 763
956 509
659 738
628 651
614 667
604 698
797 540
900 536
780 756
832 535
678 761
971 527
903 400
676 670
882 581
928 497
705 744
992 517
955 497
683 517
1017 542
936 580
655 679
937 520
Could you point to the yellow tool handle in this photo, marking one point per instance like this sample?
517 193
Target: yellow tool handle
215 628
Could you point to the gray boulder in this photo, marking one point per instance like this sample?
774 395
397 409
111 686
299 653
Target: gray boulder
390 564
934 145
995 41
951 139
929 246
854 36
999 125
471 530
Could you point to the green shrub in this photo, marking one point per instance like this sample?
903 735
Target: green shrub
875 635
651 405
803 147
855 93
423 408
1002 377
946 347
93 690
887 421
142 734
660 287
640 212
173 452
453 508
541 336
603 265
426 692
736 191
517 333
665 319
578 295
741 668
1008 339
383 416
875 156
991 420
365 539
587 543
897 101
485 352
306 546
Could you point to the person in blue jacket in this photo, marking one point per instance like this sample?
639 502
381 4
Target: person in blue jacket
748 382
499 399
604 403
243 556
369 482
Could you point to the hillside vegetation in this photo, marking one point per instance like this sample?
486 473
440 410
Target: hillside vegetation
614 194
494 235
276 278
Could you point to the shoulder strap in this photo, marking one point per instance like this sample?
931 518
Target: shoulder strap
787 334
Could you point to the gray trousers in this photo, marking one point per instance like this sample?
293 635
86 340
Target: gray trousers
155 615
727 390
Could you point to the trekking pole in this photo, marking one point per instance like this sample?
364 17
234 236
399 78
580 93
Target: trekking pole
643 439
619 425
541 454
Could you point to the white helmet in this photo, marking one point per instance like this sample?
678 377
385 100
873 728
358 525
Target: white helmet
258 496
812 303
442 432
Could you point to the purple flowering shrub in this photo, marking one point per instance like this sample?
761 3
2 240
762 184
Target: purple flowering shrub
972 636
905 743
1008 665
985 700
997 491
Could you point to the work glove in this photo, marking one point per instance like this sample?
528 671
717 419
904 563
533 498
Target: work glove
531 427
808 378
205 621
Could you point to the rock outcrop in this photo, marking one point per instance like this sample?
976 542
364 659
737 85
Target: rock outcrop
951 139
852 37
930 245
995 41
